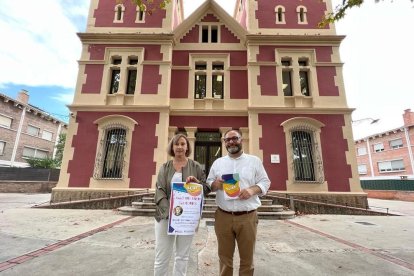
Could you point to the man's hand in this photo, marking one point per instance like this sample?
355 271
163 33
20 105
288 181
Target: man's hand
217 184
249 192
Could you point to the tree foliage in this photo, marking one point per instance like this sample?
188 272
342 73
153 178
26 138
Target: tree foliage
339 12
50 163
148 5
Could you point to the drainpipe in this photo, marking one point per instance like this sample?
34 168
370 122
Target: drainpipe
57 140
410 152
370 158
19 132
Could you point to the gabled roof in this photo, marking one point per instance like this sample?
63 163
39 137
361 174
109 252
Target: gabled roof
210 6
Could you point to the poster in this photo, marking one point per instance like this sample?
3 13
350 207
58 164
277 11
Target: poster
186 205
231 186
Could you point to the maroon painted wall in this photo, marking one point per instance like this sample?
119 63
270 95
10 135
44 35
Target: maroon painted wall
192 36
209 122
267 81
105 13
144 140
334 146
266 14
227 36
150 76
209 18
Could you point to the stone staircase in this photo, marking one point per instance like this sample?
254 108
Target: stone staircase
268 210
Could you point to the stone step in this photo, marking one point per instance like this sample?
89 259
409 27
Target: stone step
143 205
131 211
148 199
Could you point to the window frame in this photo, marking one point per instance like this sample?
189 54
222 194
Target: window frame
2 147
33 127
141 14
397 146
314 127
104 124
362 172
36 150
206 33
280 12
9 118
390 163
302 15
374 147
362 148
119 13
47 131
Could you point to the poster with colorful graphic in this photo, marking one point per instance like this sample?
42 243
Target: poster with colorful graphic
186 205
231 186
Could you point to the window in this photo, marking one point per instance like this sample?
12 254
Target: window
301 11
379 147
110 162
34 153
218 81
200 86
287 78
32 130
304 77
2 146
5 121
361 151
396 144
303 151
209 34
302 146
209 76
280 15
391 166
123 71
119 13
362 169
141 14
297 71
47 135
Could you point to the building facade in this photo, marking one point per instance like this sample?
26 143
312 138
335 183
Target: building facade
268 71
26 131
388 155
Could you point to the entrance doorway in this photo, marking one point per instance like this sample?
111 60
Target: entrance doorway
207 149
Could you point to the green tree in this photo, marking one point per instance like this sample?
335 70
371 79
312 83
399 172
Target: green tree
59 149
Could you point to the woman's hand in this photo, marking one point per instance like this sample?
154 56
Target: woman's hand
192 179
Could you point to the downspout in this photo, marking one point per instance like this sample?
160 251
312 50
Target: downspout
410 152
370 158
19 132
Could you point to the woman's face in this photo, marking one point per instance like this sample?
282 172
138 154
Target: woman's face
180 148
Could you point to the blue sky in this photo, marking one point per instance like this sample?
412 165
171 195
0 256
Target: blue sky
40 49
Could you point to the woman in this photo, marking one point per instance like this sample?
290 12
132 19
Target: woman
179 169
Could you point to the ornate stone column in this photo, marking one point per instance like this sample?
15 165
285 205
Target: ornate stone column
245 133
223 145
191 138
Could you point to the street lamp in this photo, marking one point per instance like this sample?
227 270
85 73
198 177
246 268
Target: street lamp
372 120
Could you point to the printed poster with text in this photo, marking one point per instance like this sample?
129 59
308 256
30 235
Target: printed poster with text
231 186
186 205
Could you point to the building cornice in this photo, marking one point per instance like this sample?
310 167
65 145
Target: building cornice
298 110
163 38
259 39
121 108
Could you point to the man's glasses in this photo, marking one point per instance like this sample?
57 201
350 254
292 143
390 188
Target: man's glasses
234 139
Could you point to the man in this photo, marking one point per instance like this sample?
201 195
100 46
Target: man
236 219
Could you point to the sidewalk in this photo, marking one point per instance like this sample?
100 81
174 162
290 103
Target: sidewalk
102 242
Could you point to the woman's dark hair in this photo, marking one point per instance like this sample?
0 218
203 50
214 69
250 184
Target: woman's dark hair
174 141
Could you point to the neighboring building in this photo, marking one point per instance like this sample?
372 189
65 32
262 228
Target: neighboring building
388 154
269 71
26 131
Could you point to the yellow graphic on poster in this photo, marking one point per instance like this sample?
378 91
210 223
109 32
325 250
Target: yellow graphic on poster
231 186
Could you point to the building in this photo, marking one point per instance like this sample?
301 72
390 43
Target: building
268 71
26 131
388 154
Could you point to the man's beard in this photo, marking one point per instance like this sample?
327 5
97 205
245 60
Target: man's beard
234 149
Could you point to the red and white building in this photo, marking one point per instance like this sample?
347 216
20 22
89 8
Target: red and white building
268 71
389 154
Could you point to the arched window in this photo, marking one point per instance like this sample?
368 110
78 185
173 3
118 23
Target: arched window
114 146
141 10
119 13
280 15
301 11
304 153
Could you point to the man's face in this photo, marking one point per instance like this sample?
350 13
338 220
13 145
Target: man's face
233 142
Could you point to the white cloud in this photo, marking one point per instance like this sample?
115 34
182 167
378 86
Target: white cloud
65 98
41 46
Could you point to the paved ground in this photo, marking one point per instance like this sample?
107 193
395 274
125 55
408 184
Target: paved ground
102 242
